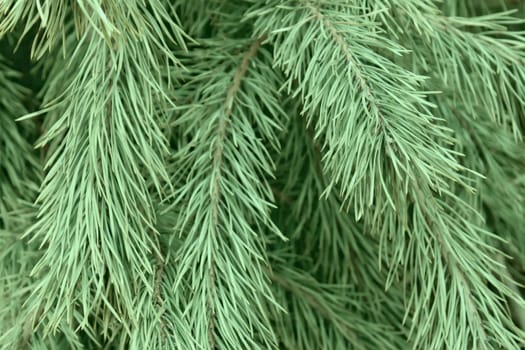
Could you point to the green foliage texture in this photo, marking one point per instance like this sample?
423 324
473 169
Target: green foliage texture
262 174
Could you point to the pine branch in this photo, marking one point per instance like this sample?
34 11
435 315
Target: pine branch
311 304
108 19
478 56
468 8
19 175
403 163
155 225
492 152
163 325
196 15
502 197
225 205
326 242
324 91
323 232
324 311
95 202
18 169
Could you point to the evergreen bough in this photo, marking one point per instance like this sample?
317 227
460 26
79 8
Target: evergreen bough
282 174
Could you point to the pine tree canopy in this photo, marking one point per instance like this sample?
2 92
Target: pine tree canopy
262 174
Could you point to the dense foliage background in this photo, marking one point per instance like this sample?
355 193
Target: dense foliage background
293 174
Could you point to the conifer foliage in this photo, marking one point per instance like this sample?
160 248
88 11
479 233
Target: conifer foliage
280 174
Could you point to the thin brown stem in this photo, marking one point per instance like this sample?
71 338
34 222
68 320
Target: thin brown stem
218 160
